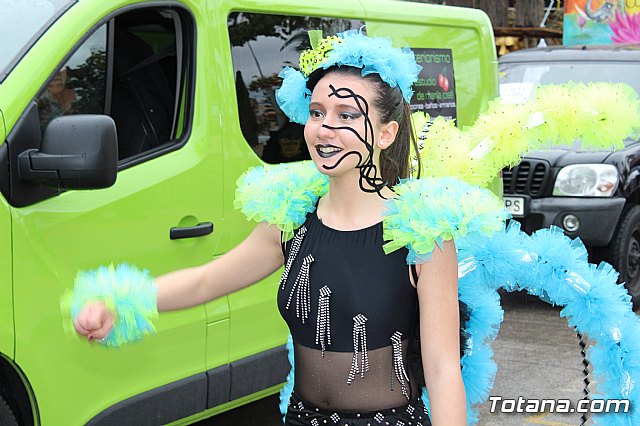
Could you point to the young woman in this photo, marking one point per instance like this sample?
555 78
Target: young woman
352 309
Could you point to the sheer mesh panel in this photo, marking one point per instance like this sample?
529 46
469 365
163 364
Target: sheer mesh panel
322 381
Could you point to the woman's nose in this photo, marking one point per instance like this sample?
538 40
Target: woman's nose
326 132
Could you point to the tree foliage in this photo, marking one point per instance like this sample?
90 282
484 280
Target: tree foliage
244 27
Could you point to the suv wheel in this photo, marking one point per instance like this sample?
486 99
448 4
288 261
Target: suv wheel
624 251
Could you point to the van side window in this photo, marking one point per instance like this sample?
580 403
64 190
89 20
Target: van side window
261 45
136 69
79 86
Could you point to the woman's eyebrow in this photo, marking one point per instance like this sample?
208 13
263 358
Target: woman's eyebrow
316 104
348 106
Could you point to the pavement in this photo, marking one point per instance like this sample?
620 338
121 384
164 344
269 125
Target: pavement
538 357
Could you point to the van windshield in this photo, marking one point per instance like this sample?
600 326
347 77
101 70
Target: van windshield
22 23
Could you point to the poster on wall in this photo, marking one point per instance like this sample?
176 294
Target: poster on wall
435 90
601 22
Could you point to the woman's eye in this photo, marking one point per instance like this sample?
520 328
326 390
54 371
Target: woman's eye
347 116
314 113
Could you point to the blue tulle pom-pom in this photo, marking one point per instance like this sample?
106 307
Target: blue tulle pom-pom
281 195
428 211
376 55
293 97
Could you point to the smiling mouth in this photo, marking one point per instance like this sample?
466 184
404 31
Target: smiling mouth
326 151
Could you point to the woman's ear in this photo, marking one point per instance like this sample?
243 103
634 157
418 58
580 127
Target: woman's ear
388 134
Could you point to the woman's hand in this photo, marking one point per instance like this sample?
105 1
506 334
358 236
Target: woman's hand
94 321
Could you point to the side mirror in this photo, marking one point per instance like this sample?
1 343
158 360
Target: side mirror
77 152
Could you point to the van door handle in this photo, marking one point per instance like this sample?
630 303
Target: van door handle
201 229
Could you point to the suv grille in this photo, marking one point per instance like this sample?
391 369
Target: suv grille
529 177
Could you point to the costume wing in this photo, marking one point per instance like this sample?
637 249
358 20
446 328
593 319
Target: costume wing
600 115
547 264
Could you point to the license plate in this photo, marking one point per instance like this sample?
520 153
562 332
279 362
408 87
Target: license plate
515 205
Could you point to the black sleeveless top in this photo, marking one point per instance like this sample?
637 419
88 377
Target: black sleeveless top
351 309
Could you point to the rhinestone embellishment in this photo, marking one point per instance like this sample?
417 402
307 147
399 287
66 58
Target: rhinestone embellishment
398 364
301 290
323 323
295 248
359 348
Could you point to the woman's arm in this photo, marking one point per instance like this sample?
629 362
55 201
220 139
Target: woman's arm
440 336
258 256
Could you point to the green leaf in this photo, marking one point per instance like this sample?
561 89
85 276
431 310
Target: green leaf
314 38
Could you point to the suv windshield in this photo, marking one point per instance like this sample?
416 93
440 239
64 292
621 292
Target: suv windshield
22 23
534 74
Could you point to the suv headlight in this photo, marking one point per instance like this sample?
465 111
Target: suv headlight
586 180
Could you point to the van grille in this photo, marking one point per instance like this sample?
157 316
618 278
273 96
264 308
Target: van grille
529 177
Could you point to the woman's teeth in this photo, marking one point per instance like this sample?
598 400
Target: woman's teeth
327 151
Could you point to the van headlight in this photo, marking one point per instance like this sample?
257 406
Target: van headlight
586 180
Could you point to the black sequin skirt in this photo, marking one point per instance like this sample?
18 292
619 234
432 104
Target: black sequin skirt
302 413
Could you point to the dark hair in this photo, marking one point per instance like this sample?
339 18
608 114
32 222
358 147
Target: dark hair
391 106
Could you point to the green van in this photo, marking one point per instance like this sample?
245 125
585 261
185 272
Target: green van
190 87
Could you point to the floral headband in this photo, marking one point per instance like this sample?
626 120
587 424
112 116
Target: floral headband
395 66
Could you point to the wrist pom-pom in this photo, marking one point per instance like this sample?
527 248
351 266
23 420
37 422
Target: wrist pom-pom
126 290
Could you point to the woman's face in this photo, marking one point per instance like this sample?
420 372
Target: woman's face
343 129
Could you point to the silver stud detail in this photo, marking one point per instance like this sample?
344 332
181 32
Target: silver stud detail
398 364
378 417
323 323
410 409
314 422
293 252
301 289
359 348
335 417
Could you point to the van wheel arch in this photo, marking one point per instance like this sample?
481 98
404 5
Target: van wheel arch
16 393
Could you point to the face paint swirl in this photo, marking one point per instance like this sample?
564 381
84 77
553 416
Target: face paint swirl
369 180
